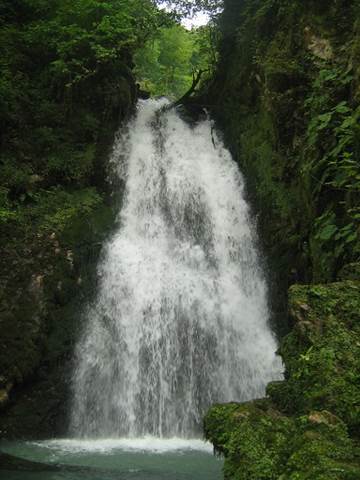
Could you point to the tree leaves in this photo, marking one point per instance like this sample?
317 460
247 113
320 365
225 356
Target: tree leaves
190 7
327 232
165 65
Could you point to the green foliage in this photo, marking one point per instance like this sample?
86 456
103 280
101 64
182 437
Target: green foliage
62 75
189 7
56 209
333 170
292 117
47 211
85 34
6 212
69 166
65 84
165 65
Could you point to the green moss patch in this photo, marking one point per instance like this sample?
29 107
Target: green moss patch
259 442
322 353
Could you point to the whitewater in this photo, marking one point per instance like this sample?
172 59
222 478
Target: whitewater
181 317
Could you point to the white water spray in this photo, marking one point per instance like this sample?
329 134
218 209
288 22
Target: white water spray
181 317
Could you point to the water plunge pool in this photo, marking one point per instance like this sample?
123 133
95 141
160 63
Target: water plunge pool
111 459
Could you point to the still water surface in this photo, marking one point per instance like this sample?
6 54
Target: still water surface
121 459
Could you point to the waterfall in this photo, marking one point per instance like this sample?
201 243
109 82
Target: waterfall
181 318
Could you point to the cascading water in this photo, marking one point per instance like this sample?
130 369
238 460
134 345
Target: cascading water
181 317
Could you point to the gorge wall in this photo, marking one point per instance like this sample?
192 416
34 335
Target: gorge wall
59 111
286 95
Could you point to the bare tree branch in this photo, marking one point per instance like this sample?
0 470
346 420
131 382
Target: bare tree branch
196 80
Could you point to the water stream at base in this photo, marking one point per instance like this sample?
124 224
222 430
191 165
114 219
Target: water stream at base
181 316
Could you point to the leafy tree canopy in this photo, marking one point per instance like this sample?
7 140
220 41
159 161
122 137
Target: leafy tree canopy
61 67
165 65
189 7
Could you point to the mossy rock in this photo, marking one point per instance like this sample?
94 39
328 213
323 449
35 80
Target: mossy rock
252 437
259 442
307 427
322 353
321 449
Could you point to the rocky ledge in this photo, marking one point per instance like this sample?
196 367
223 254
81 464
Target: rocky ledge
308 426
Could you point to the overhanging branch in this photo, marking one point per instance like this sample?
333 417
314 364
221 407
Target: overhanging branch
196 80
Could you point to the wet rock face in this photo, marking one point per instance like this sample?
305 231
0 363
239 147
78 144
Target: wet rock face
42 294
30 305
319 47
4 395
23 309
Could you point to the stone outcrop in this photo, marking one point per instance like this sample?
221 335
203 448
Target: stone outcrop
308 425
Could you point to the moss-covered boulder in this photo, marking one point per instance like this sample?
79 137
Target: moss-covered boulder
252 436
260 443
322 353
308 426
